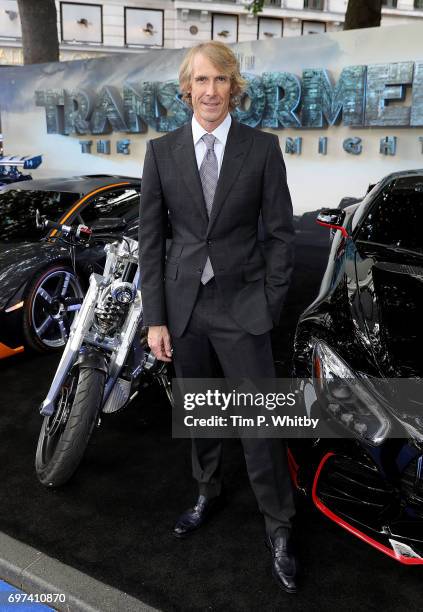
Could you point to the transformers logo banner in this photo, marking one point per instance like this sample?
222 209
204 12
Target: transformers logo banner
347 108
363 96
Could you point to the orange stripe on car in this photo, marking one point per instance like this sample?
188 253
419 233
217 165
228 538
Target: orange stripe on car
15 307
6 351
84 199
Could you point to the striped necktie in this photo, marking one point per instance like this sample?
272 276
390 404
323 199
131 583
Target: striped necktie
208 176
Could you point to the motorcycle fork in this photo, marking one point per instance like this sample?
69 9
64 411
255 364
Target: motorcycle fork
80 324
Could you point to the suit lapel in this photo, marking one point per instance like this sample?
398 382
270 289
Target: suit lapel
236 150
184 155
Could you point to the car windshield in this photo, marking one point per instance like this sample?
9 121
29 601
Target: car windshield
17 211
114 203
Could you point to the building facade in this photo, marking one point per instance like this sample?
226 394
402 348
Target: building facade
91 28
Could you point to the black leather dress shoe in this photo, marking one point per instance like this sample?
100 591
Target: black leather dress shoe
195 517
284 564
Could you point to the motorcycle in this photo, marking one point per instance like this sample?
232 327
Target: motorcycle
104 361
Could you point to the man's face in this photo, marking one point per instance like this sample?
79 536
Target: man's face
210 92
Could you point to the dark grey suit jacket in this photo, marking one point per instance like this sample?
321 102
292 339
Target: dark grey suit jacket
253 276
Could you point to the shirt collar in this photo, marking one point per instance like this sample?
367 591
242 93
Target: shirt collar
221 132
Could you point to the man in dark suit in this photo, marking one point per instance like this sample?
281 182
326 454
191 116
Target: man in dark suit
218 292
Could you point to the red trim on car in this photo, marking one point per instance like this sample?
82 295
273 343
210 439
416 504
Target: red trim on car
335 227
337 519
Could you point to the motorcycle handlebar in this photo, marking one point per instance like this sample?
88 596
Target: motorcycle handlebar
81 231
51 224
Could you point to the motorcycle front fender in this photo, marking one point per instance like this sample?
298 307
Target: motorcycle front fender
90 357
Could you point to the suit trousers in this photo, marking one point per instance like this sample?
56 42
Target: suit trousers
211 342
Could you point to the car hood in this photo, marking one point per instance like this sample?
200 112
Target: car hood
19 262
390 291
399 294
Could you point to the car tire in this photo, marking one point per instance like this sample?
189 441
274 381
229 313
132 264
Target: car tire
48 310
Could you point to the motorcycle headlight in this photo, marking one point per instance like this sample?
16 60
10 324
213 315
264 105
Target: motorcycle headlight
123 292
346 398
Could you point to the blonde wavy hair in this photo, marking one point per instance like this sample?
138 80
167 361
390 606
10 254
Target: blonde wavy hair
223 58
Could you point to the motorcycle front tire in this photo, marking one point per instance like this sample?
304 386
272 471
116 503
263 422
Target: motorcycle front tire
61 445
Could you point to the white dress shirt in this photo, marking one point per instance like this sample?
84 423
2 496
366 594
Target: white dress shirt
221 135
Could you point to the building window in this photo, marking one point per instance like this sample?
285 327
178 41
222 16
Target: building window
269 28
10 22
225 28
272 3
418 4
81 23
144 27
316 5
389 3
313 27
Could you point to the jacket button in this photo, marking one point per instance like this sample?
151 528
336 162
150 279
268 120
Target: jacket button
209 242
198 270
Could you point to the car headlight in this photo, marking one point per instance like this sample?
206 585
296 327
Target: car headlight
406 405
346 398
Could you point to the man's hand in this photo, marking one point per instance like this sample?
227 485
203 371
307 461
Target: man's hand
159 342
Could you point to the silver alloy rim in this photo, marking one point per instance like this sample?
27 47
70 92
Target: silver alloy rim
51 311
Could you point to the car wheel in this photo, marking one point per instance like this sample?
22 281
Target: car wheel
51 304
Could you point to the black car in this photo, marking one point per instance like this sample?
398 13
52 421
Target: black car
366 326
40 289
